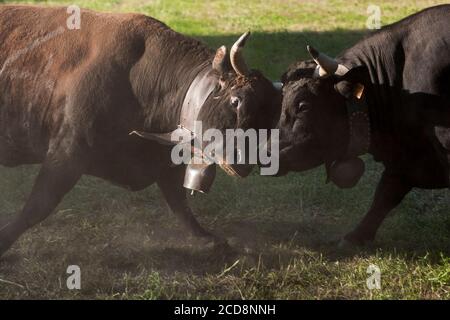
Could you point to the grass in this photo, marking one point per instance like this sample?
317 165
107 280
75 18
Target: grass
283 230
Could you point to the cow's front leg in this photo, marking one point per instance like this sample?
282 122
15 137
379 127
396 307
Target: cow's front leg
55 179
171 185
390 192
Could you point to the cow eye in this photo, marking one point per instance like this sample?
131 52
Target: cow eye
235 102
303 107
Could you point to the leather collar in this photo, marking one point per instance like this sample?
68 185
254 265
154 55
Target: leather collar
199 90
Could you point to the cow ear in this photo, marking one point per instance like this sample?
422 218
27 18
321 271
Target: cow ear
353 83
350 90
221 61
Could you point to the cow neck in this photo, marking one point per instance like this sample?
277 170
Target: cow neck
199 90
359 127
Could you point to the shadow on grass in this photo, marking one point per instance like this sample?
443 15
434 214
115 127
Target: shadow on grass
252 243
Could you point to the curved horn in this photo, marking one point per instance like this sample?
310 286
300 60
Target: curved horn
327 65
236 57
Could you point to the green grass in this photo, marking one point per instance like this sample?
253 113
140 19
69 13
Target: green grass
283 230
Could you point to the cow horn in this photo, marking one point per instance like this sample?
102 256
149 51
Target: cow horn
327 65
236 57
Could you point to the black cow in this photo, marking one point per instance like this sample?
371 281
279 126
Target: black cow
70 98
388 95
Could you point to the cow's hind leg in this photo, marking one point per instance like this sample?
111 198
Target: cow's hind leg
54 180
171 185
390 192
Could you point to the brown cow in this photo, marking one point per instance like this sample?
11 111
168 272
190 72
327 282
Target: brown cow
70 98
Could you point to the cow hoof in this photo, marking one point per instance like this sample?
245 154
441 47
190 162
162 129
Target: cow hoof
3 248
352 242
224 251
6 241
211 241
222 247
219 245
345 244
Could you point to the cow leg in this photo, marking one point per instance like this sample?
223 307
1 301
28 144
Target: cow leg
54 180
171 185
390 192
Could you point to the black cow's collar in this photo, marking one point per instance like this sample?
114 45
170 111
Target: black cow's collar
359 127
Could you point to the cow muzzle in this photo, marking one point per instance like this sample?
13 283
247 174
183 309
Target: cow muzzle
237 170
240 169
200 177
